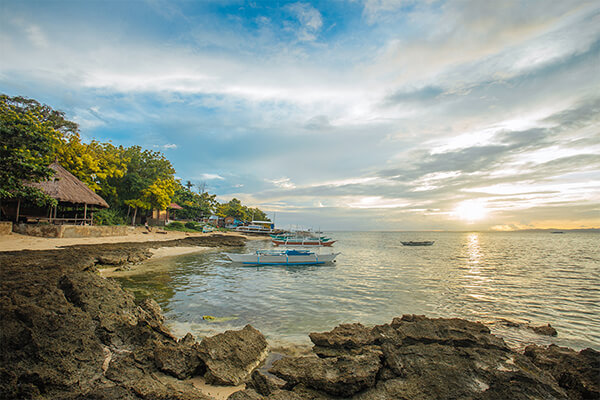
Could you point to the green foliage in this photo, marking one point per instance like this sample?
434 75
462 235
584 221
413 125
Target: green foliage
234 208
175 225
187 227
149 181
29 134
109 216
192 225
34 135
96 164
195 205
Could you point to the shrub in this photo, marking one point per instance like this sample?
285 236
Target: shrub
175 225
109 216
191 225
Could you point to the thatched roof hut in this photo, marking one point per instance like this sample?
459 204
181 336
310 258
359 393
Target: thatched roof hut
66 188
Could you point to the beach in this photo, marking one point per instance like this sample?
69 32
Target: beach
69 331
17 242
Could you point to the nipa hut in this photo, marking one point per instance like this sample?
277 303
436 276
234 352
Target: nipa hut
76 201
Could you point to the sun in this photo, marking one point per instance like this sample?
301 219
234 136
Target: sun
471 210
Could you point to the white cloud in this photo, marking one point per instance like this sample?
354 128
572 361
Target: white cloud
209 177
284 183
310 20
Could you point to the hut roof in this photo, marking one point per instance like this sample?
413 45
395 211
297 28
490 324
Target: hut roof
175 206
65 187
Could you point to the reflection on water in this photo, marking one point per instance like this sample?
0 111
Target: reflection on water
524 277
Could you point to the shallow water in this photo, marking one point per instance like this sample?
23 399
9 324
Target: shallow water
537 278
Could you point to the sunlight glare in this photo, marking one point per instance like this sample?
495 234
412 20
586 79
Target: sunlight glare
471 210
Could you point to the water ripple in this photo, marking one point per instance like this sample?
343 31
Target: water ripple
529 277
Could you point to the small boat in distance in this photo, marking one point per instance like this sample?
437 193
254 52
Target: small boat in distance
282 257
411 243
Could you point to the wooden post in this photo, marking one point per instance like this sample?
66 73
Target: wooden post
134 215
85 214
18 210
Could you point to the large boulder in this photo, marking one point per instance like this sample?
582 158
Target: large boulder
340 376
180 359
577 372
445 331
265 383
230 357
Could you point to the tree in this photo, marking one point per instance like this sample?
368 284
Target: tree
94 163
29 135
149 181
195 205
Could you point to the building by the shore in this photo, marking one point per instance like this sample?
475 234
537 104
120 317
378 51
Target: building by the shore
76 202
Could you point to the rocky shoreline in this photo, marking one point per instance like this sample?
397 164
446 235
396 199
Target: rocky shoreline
68 333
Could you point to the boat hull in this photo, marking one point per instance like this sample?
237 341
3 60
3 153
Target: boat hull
282 259
278 242
417 243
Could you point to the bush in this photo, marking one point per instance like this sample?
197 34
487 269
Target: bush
109 216
175 225
191 225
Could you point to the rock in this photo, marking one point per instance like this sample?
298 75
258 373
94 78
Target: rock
546 330
179 360
247 394
231 356
265 383
339 376
446 331
433 370
250 394
114 258
344 336
324 352
577 373
68 333
345 340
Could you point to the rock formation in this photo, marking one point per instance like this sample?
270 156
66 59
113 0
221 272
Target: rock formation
415 357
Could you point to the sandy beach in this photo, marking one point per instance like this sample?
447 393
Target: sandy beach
16 242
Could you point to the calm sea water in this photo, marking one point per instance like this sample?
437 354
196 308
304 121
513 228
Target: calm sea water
538 278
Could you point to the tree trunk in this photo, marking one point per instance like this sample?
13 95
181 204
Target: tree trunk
134 215
18 209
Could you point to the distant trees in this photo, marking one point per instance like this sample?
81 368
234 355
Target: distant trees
195 205
33 135
235 209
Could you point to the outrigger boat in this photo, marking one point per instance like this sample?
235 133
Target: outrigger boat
411 243
282 257
303 241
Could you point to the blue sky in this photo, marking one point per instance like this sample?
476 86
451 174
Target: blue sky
341 114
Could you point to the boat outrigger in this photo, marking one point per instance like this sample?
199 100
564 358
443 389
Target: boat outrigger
282 257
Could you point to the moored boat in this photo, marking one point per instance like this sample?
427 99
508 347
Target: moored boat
303 241
413 243
282 257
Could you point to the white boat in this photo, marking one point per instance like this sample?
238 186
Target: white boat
257 227
282 257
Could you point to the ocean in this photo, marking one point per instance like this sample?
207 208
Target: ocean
533 278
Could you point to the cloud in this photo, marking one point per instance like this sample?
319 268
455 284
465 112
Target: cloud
397 112
284 183
310 20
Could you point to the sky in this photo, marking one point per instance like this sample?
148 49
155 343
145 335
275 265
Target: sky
340 114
